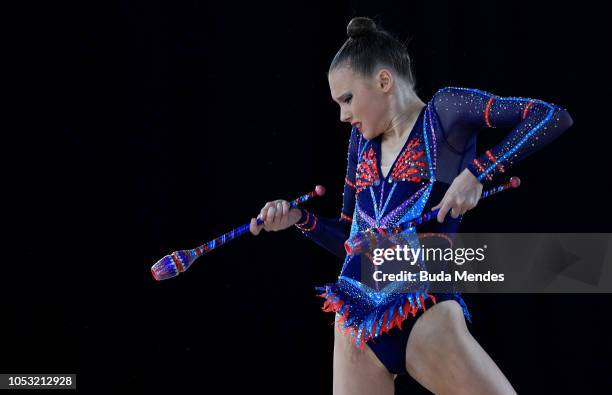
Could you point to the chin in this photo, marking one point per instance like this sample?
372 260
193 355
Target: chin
367 135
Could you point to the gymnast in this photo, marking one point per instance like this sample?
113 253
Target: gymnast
407 157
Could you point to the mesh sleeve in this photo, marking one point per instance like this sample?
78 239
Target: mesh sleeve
533 123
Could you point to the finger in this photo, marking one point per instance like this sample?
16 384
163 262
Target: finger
455 212
467 208
264 211
254 228
273 223
443 211
278 214
444 199
285 209
270 214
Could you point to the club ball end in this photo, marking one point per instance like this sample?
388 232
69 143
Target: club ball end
515 182
155 276
320 190
164 269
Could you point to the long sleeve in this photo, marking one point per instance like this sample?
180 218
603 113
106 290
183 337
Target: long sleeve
534 124
331 233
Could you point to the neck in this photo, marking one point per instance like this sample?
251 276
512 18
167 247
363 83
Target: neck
405 110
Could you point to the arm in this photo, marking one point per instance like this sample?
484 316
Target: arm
332 233
534 124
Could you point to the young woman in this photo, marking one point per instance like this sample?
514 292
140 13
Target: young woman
406 157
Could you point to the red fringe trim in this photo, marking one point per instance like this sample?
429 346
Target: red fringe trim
397 320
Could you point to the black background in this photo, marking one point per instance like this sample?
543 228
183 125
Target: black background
155 126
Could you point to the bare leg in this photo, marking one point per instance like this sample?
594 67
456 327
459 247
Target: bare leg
358 372
442 355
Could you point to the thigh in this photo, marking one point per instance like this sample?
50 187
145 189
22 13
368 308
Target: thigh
358 371
442 355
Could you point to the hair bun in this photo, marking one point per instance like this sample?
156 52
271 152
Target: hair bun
360 26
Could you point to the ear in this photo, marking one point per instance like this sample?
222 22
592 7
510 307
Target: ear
384 80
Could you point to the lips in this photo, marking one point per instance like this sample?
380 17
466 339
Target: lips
357 125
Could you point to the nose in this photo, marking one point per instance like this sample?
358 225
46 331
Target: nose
345 116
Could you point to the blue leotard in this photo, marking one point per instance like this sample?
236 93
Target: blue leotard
441 144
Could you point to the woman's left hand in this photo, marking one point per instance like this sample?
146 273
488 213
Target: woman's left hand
462 195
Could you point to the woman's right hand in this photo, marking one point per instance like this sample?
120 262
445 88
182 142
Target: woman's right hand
277 215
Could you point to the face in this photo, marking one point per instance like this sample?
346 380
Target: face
364 102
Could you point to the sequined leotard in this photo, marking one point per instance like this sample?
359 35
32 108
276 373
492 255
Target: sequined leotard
441 145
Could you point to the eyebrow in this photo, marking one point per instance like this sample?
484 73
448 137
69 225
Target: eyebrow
343 96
